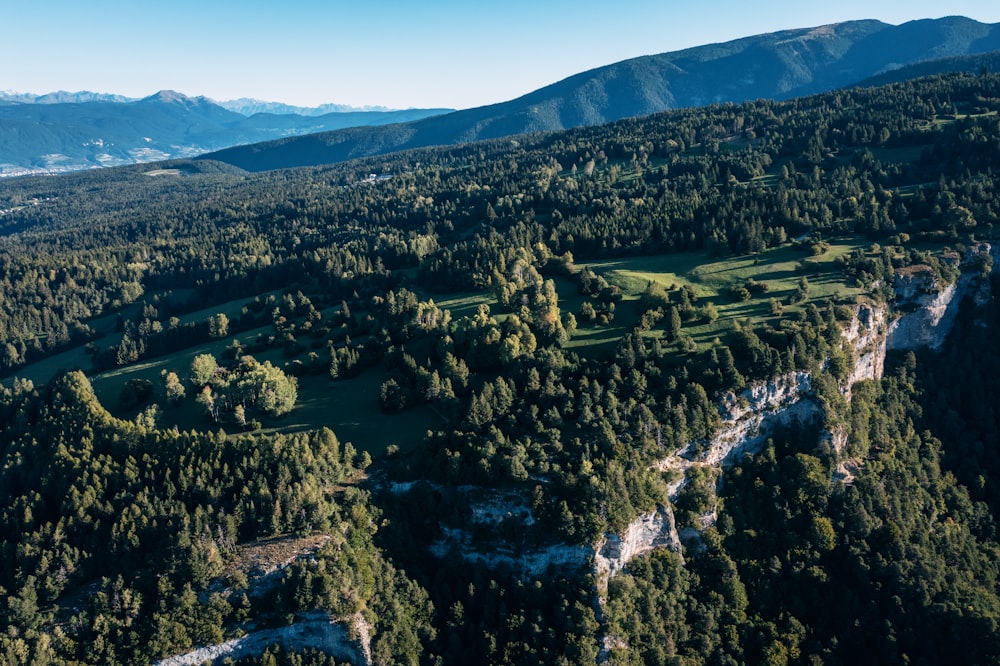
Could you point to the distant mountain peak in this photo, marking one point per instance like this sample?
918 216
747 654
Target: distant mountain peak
167 96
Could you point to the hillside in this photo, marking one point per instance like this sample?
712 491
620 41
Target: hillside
708 386
772 66
68 132
970 64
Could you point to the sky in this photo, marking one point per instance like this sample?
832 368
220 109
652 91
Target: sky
392 53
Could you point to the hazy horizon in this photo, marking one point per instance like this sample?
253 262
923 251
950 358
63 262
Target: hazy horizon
438 54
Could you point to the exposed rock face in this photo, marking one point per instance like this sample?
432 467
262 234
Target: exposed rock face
654 530
866 334
749 418
316 630
747 421
930 311
502 513
526 561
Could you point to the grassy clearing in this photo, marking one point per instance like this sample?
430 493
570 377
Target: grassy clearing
767 180
41 372
232 309
905 155
592 340
348 407
711 279
781 268
464 304
106 326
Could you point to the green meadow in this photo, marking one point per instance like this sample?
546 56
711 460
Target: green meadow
711 279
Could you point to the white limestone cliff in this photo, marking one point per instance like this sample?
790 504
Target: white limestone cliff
648 532
311 630
929 308
865 334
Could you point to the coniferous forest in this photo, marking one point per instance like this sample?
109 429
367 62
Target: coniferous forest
412 395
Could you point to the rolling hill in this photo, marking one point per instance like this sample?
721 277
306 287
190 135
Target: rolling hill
779 65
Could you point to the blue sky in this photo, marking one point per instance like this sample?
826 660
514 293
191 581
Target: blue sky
430 53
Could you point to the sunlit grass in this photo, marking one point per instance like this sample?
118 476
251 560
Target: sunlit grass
711 280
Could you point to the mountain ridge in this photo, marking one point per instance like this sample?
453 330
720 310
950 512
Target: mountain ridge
61 132
247 106
779 65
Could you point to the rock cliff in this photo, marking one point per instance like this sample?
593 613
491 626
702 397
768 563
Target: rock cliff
750 417
922 314
654 530
865 335
311 630
928 308
747 421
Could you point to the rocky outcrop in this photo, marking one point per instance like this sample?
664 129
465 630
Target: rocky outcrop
865 334
526 561
748 419
651 531
929 309
312 630
654 530
493 533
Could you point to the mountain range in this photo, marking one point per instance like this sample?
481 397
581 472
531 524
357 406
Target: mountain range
247 106
62 131
779 65
72 131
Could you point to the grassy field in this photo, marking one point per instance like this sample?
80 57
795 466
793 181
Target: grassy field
465 304
906 155
348 407
711 279
77 358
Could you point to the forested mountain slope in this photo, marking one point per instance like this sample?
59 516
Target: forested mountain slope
486 403
778 65
970 64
